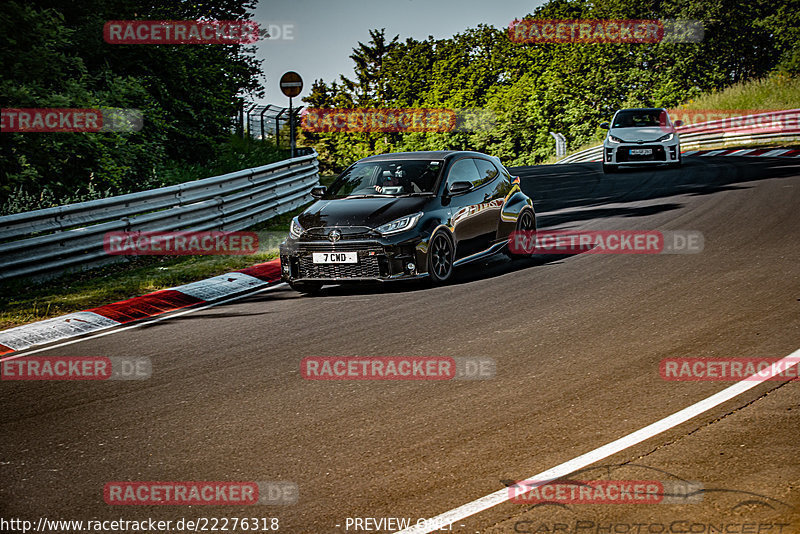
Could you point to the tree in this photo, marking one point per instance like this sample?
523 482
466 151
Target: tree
533 89
54 55
369 87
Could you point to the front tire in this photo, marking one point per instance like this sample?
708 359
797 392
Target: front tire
441 254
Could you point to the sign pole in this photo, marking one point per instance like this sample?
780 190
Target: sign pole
291 85
291 125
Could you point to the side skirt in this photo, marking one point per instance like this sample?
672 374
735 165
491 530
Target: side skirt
494 249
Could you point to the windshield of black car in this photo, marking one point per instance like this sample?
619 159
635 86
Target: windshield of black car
641 118
386 178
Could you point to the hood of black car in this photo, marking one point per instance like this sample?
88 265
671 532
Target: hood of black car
370 212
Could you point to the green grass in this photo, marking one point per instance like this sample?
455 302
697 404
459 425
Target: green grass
776 92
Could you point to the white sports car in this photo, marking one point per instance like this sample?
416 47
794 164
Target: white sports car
641 136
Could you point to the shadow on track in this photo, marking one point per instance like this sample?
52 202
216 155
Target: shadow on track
555 187
492 267
546 221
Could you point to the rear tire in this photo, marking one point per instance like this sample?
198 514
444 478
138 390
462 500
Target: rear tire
526 222
307 288
441 254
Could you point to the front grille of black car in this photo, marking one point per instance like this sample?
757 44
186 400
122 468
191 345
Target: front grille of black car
362 269
347 232
623 154
371 261
340 246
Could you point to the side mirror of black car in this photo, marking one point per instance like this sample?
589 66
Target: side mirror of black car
459 187
605 126
318 191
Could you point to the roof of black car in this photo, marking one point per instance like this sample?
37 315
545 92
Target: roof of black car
426 155
639 110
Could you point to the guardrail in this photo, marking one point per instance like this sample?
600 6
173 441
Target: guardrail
55 240
772 127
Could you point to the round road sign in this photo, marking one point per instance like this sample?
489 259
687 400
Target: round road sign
291 84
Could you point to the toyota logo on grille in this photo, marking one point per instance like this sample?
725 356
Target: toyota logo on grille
335 236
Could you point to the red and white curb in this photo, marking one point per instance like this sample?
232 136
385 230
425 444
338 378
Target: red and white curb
749 152
157 303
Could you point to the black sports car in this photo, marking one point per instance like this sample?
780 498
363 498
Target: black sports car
405 216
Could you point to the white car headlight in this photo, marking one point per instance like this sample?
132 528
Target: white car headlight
295 230
399 225
667 137
612 139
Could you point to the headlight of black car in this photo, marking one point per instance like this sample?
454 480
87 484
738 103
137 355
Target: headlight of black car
399 225
295 230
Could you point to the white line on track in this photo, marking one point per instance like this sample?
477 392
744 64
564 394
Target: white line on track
115 329
585 460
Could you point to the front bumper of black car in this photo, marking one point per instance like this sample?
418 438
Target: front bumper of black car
378 260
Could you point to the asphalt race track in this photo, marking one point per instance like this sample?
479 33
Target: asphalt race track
577 342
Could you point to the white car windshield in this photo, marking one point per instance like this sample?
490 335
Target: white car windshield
640 118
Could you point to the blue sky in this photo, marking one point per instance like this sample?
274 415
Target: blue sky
326 31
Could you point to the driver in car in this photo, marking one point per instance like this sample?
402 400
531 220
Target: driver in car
390 180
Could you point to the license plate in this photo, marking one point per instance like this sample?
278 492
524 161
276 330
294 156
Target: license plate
335 257
641 151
